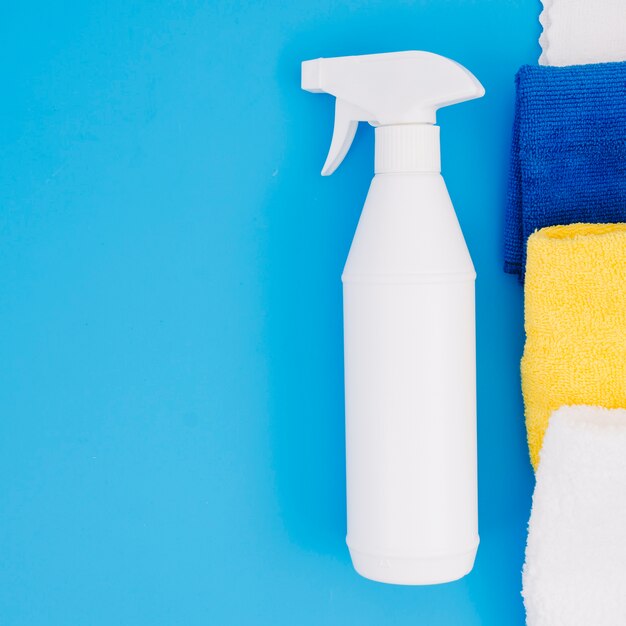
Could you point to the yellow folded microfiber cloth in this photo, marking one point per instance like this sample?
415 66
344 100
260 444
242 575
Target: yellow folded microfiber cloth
575 310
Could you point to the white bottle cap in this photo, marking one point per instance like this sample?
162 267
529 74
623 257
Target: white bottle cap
407 148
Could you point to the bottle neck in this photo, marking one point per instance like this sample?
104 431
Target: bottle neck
407 148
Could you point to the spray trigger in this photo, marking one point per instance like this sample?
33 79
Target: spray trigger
347 118
388 89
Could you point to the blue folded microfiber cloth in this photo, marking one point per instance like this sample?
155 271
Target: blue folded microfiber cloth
569 152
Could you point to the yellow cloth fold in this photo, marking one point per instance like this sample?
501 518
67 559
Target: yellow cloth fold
575 320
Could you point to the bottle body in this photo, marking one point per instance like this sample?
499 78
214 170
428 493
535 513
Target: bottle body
409 333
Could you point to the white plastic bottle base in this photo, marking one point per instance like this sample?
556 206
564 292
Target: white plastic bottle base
408 571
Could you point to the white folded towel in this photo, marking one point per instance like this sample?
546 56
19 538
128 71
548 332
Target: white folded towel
576 32
575 570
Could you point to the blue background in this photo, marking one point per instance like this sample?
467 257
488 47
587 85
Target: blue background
171 432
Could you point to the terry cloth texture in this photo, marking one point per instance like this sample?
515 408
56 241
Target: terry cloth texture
575 320
582 31
569 152
575 570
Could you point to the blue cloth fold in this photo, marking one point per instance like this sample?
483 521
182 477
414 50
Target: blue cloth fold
568 160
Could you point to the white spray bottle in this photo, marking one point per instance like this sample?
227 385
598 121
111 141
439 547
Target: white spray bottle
409 325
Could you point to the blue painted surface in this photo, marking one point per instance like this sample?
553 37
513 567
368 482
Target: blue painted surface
171 428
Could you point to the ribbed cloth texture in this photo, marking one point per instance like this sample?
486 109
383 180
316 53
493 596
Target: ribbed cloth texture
575 570
582 31
575 321
568 161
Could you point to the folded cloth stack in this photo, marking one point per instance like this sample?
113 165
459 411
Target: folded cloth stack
568 167
582 31
569 152
575 354
575 570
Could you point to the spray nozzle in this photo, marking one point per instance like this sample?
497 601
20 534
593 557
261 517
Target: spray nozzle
386 89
